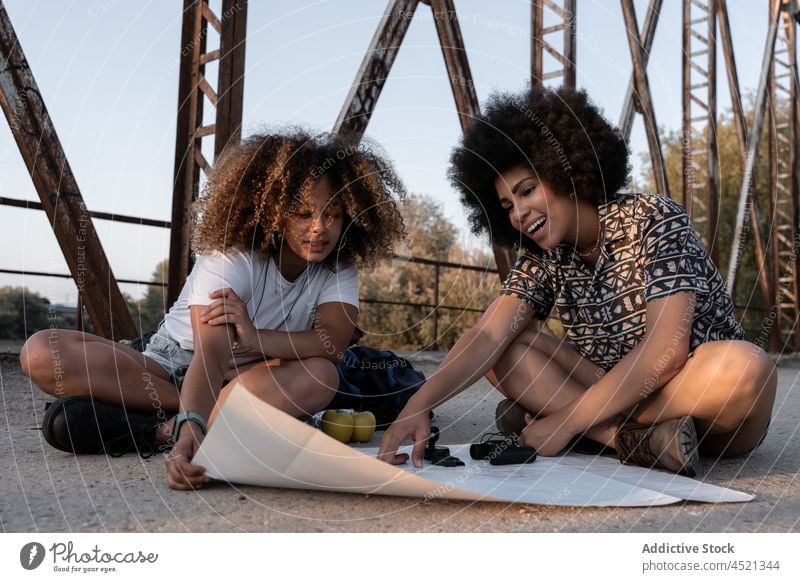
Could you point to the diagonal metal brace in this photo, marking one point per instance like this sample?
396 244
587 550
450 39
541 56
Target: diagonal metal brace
371 77
748 178
458 71
360 101
642 86
58 191
648 35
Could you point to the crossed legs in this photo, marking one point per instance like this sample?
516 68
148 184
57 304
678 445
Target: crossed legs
727 386
64 363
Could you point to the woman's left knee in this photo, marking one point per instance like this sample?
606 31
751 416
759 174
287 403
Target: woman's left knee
322 371
751 373
325 381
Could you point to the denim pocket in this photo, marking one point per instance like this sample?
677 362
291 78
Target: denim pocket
168 349
159 344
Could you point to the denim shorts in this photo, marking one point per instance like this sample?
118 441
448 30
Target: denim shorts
168 354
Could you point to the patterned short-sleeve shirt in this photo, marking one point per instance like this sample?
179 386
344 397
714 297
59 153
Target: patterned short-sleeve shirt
649 250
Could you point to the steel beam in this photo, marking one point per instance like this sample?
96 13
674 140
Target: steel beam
733 76
58 190
193 90
539 43
463 87
642 85
748 175
230 87
741 138
783 183
699 156
791 16
647 35
371 76
186 183
455 60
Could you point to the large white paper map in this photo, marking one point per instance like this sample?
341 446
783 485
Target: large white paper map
253 443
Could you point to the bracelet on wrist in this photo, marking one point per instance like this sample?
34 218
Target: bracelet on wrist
187 416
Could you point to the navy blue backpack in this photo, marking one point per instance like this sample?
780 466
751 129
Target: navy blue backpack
378 381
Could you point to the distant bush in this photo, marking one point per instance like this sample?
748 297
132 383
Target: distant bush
431 236
22 313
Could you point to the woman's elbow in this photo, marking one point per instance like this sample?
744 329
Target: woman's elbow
668 364
332 349
334 355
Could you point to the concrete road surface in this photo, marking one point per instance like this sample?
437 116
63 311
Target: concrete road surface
42 489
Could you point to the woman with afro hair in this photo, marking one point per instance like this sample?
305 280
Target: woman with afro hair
652 363
272 300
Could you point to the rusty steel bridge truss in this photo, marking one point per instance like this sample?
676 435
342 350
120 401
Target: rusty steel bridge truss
220 36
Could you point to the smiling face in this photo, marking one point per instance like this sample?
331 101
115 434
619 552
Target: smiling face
312 230
536 210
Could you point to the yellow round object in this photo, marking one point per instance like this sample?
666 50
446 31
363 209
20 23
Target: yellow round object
363 426
338 424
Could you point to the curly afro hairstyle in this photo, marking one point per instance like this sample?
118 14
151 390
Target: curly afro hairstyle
257 184
559 134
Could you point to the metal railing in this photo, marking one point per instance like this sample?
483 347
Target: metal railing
435 305
437 265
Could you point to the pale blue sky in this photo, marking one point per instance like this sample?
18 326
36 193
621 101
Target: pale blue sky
108 73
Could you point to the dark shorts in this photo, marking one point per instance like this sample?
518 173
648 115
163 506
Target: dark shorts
751 451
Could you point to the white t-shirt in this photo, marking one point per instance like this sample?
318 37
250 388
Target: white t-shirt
272 301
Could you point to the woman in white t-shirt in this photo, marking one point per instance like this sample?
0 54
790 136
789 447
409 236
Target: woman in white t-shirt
272 300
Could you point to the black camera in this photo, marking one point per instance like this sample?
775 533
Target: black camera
502 449
440 455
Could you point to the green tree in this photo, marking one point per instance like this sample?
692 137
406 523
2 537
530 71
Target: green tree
748 298
400 327
22 313
430 234
466 289
149 311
